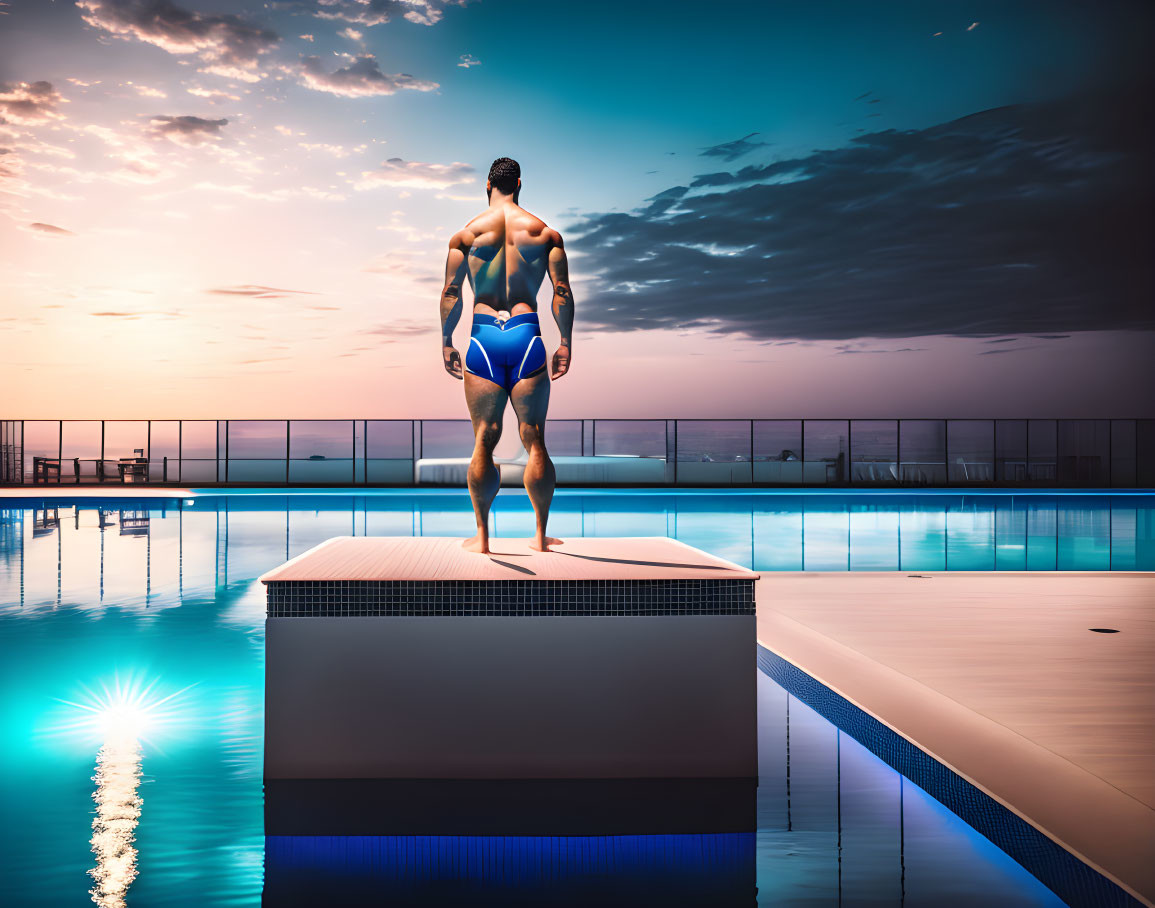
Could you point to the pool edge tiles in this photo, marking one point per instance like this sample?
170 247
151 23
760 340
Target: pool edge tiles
395 576
409 658
1076 882
966 697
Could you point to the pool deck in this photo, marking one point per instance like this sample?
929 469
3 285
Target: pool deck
997 676
105 490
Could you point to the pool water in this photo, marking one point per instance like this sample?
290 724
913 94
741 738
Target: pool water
131 682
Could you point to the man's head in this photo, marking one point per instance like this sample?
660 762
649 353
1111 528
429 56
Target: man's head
504 176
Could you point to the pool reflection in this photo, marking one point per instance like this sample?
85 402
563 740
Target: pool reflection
834 824
128 551
80 600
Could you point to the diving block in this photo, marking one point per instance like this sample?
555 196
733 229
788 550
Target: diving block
411 658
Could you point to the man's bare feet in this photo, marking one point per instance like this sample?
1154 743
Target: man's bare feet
476 544
539 546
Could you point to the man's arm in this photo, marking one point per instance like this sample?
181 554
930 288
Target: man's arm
562 306
451 304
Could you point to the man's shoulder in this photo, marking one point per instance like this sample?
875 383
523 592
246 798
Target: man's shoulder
534 223
519 218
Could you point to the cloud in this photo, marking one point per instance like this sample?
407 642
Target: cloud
402 329
27 103
50 229
418 265
1028 218
133 316
468 60
259 291
372 12
416 175
351 33
211 94
360 79
136 156
149 92
729 151
227 44
337 151
187 131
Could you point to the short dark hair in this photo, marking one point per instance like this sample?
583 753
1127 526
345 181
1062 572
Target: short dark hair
504 174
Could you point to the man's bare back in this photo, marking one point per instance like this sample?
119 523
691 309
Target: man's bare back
505 253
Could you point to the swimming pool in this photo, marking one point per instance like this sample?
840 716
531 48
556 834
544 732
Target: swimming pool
158 599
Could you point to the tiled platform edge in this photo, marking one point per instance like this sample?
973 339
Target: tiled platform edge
1064 874
510 598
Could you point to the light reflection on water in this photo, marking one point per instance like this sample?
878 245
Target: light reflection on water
94 589
114 826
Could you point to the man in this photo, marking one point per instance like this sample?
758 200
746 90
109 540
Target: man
505 252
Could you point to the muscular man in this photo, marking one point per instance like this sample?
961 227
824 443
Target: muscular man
505 252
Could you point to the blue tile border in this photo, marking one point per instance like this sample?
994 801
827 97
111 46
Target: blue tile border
508 598
1059 870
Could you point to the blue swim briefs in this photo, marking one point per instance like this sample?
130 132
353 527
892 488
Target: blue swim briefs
505 352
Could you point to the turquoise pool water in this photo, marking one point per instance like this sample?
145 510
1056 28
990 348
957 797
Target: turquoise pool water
131 681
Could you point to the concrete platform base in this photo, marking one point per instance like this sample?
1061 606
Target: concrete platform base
410 658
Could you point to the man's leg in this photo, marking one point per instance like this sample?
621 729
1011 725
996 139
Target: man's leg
530 398
486 401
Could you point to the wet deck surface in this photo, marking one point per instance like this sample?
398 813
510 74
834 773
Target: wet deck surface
998 676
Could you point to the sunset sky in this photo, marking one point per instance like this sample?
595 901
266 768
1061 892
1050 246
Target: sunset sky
241 210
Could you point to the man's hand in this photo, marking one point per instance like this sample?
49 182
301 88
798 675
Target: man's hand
560 362
453 362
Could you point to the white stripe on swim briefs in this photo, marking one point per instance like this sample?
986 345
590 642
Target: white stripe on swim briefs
474 340
536 337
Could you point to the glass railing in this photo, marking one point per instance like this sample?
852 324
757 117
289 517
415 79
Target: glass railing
934 453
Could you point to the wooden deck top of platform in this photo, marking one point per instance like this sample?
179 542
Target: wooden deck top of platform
369 558
998 676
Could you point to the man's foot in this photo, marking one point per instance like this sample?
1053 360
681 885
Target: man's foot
540 545
476 544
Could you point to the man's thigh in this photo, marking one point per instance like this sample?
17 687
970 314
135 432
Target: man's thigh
486 401
530 399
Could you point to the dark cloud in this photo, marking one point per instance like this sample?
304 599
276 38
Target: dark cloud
28 102
731 151
1006 350
229 45
361 78
188 131
259 291
50 229
1024 219
372 12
